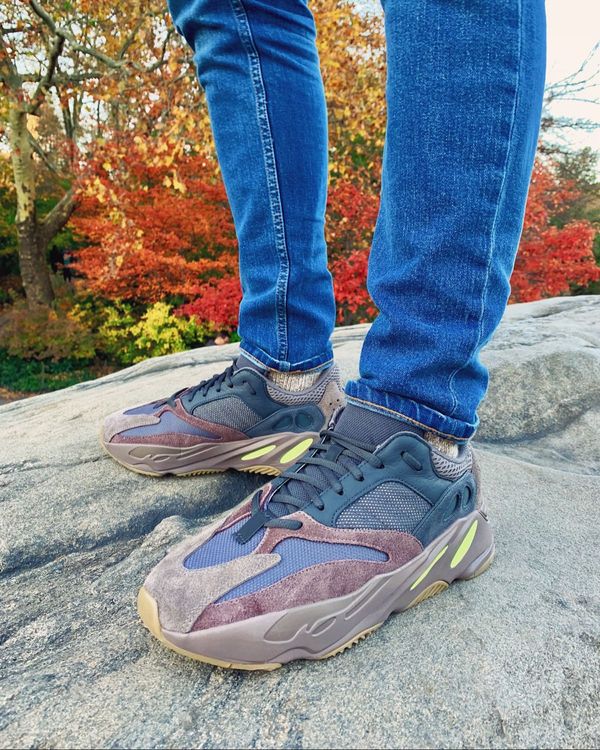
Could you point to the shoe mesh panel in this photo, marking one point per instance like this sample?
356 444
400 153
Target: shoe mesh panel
298 554
391 505
450 469
222 548
145 408
231 412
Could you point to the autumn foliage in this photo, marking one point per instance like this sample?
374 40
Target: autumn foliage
153 228
552 258
150 248
152 223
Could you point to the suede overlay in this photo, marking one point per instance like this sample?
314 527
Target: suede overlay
166 439
182 593
245 508
264 494
386 541
224 432
237 514
319 582
119 422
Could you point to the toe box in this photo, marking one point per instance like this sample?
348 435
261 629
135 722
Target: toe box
182 593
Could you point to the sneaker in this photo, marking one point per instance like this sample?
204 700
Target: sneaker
321 556
238 419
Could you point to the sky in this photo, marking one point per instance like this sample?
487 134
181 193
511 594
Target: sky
573 30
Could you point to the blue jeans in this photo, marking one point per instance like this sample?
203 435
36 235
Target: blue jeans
464 91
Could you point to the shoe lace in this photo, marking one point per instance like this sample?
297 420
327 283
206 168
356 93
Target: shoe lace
325 455
216 382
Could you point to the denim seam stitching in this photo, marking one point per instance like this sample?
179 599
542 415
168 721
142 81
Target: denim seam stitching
275 203
492 245
323 366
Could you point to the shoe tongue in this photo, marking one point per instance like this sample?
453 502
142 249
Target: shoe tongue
243 361
369 426
356 422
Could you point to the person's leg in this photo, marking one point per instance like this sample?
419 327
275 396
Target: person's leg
375 518
464 93
258 64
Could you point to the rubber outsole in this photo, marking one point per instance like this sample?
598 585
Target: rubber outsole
208 458
304 632
148 612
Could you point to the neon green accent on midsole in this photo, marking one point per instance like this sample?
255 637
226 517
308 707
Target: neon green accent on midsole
465 545
258 452
428 568
296 451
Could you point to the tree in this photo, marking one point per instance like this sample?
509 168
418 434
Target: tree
554 256
67 58
154 221
351 46
580 86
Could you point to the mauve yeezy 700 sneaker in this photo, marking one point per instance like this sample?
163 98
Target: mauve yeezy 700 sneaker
366 523
239 419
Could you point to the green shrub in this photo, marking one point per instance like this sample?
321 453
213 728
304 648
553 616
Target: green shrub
33 376
126 337
46 334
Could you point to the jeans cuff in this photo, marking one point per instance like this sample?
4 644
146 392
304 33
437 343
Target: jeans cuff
320 362
410 411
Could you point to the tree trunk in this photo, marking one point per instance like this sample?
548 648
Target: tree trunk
32 240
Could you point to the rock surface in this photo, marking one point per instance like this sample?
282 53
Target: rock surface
510 659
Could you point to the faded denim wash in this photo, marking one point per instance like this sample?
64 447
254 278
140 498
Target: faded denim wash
464 91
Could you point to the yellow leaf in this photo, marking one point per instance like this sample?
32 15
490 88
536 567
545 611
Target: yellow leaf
177 184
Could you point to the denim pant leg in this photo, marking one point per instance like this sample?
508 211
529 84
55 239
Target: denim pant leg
464 92
258 64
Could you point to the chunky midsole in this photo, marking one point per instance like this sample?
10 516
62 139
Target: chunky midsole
276 452
315 630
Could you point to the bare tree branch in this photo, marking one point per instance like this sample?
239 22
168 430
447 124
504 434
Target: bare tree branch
131 38
118 64
161 59
8 71
35 145
573 76
44 85
61 78
67 36
59 216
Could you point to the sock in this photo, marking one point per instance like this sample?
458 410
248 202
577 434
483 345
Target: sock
294 381
447 447
288 381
